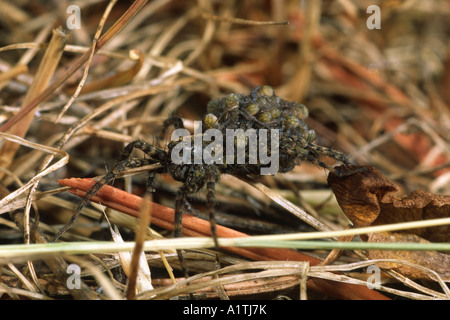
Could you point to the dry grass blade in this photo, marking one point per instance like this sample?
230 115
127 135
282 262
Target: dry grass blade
139 277
40 82
292 208
268 270
92 52
242 21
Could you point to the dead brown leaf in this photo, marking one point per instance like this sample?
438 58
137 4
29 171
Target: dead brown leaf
368 199
433 260
418 205
359 192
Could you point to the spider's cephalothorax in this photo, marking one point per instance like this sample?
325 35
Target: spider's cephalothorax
259 112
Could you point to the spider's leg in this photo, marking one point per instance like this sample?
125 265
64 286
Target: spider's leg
179 205
346 171
119 167
156 155
212 177
316 151
189 209
152 151
173 120
150 184
337 155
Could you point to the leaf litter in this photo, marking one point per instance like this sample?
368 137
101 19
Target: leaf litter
380 96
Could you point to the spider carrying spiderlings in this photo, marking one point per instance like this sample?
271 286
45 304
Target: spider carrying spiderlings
241 121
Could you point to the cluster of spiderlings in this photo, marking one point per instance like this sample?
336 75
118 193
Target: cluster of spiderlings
258 110
263 109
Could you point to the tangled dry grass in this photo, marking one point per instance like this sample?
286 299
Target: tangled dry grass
71 99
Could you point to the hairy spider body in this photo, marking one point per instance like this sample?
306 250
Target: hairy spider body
259 111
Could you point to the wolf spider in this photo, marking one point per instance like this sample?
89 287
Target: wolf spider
261 109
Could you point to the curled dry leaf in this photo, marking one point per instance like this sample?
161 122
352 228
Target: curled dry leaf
368 199
359 191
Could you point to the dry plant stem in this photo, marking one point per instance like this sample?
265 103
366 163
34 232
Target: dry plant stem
302 77
145 214
11 74
336 253
92 52
202 281
78 63
409 283
32 184
27 56
41 80
112 103
22 278
163 217
292 208
64 159
303 281
120 78
242 21
242 288
18 294
40 38
163 40
27 161
207 35
15 14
